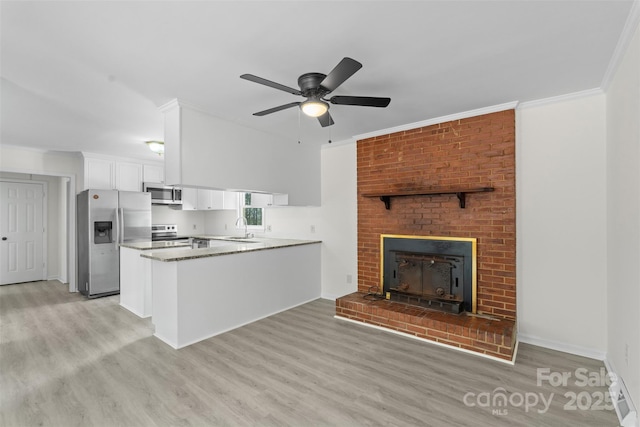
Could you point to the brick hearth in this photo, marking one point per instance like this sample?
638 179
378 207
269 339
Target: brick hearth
491 336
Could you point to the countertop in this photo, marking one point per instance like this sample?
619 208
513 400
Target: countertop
160 244
233 247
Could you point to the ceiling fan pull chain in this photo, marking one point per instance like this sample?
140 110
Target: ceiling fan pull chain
298 126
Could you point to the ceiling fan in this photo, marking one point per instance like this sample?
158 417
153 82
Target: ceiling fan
315 86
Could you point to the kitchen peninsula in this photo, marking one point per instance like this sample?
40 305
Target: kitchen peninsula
199 293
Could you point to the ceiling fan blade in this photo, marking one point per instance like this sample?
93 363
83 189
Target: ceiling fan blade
364 101
325 120
274 109
345 69
269 83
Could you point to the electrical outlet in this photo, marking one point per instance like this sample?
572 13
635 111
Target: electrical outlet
225 226
194 227
626 354
349 278
312 228
268 227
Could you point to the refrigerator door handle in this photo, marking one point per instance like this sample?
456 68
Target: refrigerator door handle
116 236
121 212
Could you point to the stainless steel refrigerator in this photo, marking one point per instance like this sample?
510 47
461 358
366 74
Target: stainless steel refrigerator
105 219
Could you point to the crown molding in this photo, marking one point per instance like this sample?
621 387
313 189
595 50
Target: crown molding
175 103
623 43
561 98
457 116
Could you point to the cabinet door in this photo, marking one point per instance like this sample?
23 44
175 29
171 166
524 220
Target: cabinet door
99 174
128 176
153 173
210 199
230 200
261 200
280 199
189 199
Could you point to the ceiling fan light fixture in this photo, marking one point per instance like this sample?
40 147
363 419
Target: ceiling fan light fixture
314 107
156 146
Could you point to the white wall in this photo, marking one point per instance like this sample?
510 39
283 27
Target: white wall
561 224
215 153
623 225
16 159
339 225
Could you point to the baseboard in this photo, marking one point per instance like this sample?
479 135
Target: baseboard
193 341
623 405
140 315
560 346
330 297
165 340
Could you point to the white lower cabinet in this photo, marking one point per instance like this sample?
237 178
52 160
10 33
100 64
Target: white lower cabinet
136 288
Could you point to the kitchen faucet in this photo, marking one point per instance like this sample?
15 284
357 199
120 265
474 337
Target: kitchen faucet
244 220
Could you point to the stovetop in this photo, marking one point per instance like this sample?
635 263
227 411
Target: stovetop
166 232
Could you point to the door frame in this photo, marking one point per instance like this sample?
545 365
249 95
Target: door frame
45 218
72 271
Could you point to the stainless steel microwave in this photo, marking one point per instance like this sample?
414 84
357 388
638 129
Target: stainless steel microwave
163 194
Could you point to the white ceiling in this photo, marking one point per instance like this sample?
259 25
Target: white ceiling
90 75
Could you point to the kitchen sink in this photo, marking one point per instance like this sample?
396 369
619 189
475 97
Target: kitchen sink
235 239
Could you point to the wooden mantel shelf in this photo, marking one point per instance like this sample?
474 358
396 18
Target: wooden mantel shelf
460 193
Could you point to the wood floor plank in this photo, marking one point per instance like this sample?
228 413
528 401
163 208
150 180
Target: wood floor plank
69 361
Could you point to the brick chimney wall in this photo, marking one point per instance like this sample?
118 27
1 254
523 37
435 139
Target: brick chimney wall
473 152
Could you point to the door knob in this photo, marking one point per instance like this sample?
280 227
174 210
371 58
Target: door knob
4 238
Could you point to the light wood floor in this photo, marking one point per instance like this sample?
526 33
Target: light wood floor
68 361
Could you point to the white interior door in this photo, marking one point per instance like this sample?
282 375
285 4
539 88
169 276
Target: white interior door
22 232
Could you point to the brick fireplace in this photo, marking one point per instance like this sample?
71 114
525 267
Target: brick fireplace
455 180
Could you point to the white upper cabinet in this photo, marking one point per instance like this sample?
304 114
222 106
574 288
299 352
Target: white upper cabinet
128 176
203 199
202 150
230 200
111 173
280 199
261 200
99 174
189 199
210 199
153 173
264 200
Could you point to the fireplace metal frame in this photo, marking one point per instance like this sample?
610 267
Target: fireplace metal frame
474 258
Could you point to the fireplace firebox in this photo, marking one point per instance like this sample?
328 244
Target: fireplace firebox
428 271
